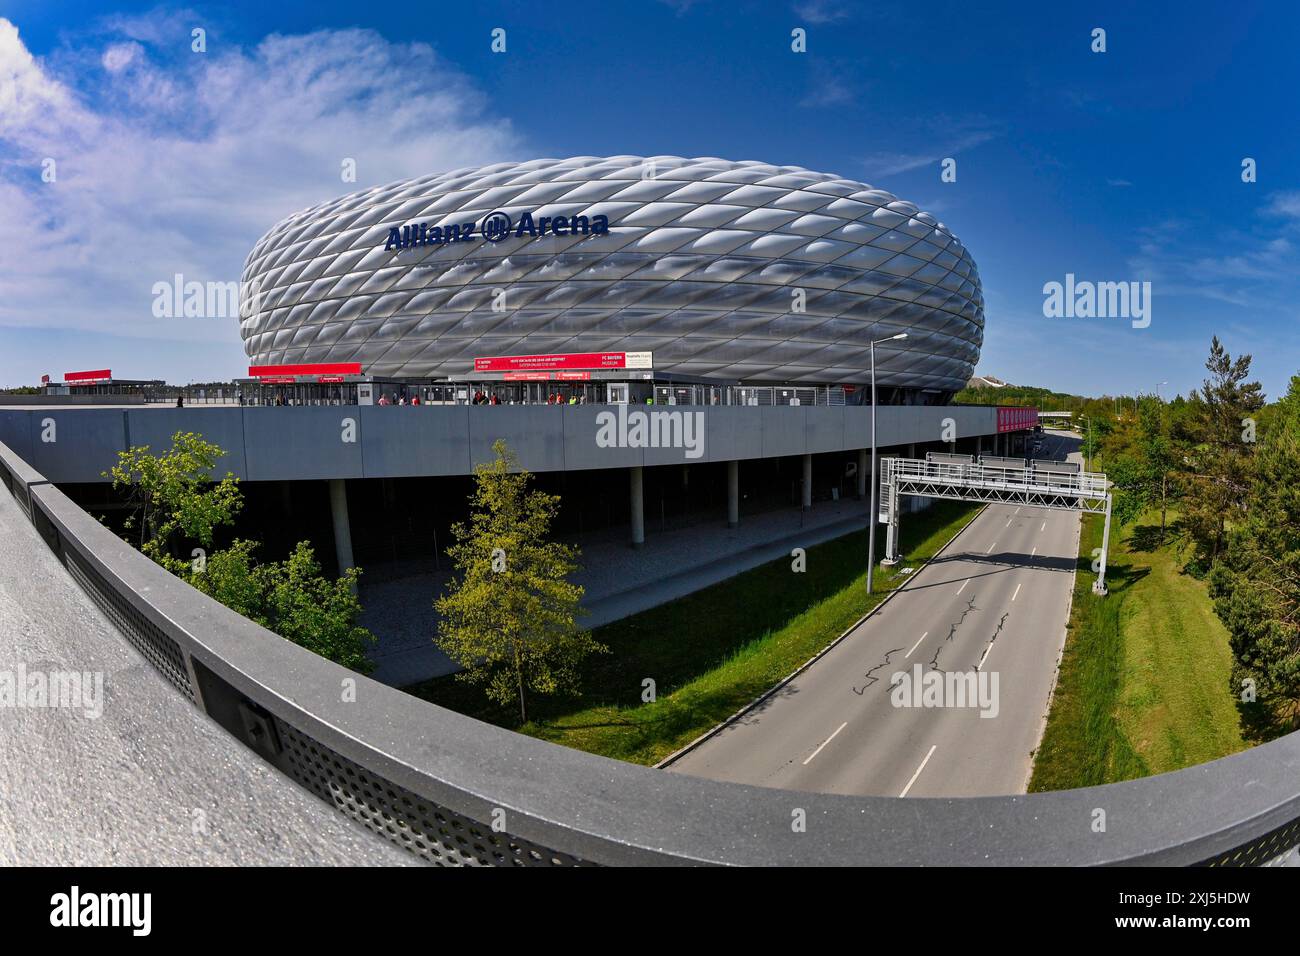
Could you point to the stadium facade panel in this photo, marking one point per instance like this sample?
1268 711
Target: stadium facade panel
721 269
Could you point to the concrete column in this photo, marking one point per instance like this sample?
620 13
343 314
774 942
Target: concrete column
911 450
807 483
637 487
342 526
863 474
733 494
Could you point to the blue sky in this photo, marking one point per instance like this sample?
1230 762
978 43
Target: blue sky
1115 166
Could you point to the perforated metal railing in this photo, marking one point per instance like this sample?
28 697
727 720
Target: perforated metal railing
454 791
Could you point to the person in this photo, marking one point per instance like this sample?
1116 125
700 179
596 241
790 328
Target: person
496 399
415 399
383 399
180 401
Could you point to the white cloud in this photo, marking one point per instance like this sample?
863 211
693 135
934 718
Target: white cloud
820 11
119 56
169 161
884 164
829 88
1285 204
1249 270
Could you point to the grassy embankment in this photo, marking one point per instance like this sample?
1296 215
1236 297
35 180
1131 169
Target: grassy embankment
712 652
1144 681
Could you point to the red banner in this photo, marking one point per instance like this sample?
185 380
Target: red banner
572 360
326 368
1016 419
99 375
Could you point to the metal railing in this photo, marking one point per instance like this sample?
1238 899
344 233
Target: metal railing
455 791
1038 478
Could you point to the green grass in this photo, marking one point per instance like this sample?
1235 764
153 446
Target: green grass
1143 686
712 652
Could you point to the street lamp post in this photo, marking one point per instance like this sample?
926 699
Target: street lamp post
1158 384
875 482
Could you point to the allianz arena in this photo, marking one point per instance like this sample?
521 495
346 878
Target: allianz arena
733 271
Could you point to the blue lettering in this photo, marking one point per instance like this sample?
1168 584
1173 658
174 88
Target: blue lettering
394 239
600 225
559 224
525 225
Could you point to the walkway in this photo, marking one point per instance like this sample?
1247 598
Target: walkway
620 581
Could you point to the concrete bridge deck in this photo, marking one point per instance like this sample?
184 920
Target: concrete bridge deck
152 780
72 444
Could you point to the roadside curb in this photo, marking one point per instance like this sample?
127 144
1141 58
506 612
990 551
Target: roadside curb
718 728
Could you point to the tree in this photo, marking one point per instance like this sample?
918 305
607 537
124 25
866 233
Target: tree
175 503
510 616
1256 586
1140 457
1218 468
174 493
291 598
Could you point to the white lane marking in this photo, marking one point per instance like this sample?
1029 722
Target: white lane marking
1017 511
1034 552
825 742
963 586
918 770
984 656
990 547
1013 597
1009 520
916 645
1044 527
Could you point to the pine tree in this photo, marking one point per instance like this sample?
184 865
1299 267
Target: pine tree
1257 584
1217 473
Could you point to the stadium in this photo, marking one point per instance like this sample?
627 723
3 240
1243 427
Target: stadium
718 271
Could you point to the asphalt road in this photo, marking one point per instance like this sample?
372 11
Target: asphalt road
996 602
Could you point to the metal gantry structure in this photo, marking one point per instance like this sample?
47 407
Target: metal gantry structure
1059 485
